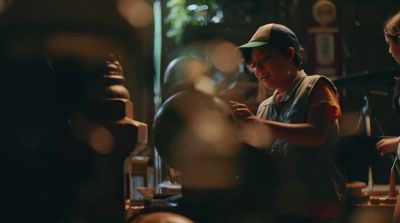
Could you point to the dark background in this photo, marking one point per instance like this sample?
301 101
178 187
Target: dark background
87 30
26 27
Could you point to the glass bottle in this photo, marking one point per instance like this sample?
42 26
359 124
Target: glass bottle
139 174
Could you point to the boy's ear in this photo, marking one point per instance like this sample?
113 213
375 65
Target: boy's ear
290 52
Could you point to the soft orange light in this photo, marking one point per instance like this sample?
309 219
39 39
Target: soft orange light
86 46
209 126
205 84
101 140
225 56
256 134
138 13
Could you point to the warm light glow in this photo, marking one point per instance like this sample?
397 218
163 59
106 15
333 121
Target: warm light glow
257 135
365 215
98 137
196 69
201 165
138 13
196 72
209 126
101 140
216 129
86 46
225 56
162 217
205 84
184 71
4 4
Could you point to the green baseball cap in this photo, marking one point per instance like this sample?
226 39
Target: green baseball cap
273 34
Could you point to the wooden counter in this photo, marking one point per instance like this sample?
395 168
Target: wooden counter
376 208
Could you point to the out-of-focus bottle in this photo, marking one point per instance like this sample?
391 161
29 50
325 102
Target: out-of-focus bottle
139 174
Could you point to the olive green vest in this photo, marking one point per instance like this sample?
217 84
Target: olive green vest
307 176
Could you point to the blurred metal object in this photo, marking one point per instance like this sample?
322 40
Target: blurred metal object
194 133
178 121
214 75
183 73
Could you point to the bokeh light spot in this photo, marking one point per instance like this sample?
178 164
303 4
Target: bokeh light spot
225 56
209 126
205 84
101 140
138 13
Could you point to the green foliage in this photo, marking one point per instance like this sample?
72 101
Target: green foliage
179 16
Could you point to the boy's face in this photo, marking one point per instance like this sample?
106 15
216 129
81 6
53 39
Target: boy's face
270 66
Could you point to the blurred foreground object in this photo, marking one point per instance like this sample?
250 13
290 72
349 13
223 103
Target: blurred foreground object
185 73
192 127
195 133
162 217
67 131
